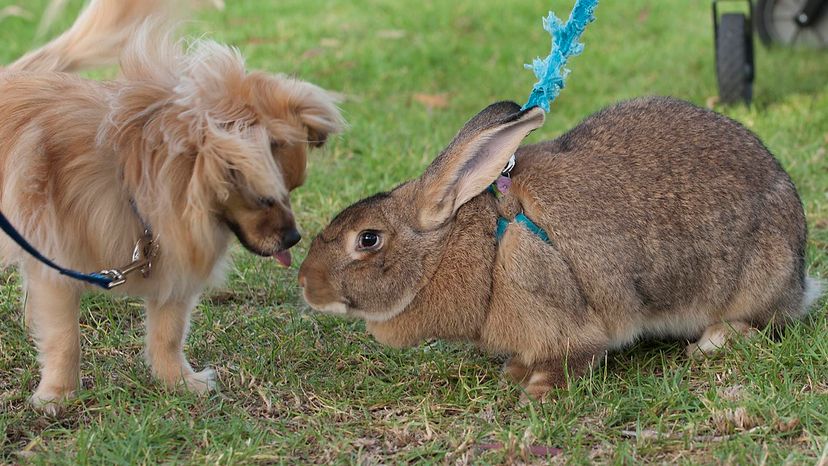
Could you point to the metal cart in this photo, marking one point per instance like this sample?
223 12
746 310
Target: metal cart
777 22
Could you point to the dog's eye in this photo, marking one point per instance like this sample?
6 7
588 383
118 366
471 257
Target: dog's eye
369 240
266 202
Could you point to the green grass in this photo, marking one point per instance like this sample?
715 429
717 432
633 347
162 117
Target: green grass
297 387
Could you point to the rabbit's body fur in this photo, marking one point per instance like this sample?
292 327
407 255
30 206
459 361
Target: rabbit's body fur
664 219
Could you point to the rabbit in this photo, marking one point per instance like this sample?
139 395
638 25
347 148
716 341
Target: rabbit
663 220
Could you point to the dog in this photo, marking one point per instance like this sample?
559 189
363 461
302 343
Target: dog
185 149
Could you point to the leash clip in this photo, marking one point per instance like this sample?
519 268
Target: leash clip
146 248
116 276
503 183
510 165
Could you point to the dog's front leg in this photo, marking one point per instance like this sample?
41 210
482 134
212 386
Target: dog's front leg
167 325
52 312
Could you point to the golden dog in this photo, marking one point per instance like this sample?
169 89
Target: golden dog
187 144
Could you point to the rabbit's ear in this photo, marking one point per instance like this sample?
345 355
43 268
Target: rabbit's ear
473 160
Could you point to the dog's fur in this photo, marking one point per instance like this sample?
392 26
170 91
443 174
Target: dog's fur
202 148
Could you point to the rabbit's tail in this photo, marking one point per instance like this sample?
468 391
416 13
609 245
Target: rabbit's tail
813 290
97 37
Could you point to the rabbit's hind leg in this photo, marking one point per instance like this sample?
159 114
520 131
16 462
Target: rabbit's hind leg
716 336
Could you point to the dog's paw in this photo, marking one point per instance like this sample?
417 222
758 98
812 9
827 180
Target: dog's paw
50 401
201 382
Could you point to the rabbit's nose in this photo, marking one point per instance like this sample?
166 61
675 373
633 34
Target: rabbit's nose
301 279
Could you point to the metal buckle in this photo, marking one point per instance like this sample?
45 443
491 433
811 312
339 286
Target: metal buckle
146 248
510 165
115 275
149 249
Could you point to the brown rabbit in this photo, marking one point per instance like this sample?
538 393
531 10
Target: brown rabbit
664 220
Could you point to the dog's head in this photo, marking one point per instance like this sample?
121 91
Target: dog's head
235 143
255 155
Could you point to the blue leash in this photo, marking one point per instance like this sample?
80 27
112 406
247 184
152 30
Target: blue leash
551 73
98 279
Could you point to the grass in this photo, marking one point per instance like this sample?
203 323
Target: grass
298 387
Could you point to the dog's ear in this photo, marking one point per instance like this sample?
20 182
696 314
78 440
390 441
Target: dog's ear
211 85
317 110
284 99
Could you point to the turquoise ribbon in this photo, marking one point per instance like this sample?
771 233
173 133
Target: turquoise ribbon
551 71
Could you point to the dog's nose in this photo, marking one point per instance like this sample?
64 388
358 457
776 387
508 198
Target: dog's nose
290 237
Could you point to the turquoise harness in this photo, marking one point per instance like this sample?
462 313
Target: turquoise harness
501 188
521 219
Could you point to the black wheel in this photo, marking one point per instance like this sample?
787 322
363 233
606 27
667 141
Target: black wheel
776 22
734 59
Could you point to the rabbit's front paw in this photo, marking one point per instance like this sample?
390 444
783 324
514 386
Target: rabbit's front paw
516 371
390 334
539 384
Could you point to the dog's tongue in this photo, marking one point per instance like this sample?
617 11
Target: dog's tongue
283 257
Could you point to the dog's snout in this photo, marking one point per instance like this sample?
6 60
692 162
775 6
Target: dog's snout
290 237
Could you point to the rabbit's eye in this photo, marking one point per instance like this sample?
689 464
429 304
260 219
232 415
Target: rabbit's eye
368 239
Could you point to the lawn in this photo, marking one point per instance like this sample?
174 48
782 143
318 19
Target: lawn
298 387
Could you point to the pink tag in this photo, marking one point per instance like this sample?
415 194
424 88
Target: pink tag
504 184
